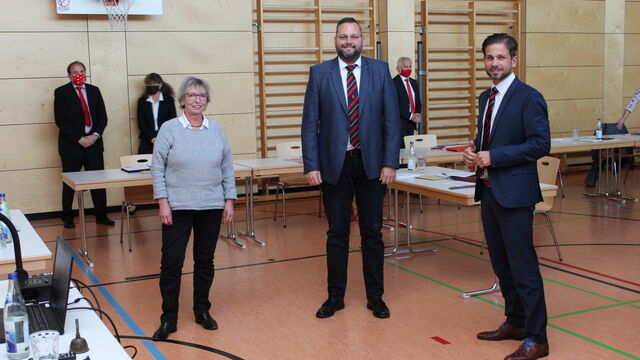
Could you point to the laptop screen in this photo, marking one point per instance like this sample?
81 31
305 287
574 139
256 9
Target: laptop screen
61 280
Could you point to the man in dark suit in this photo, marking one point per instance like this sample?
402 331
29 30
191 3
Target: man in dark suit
350 145
81 116
409 102
513 133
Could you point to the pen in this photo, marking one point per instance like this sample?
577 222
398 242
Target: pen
462 187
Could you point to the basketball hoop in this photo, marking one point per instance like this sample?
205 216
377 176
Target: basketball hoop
118 10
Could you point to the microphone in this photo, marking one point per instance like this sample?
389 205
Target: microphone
17 251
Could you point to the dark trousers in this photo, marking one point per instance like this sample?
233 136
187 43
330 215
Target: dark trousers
75 162
206 228
407 128
145 147
509 234
337 199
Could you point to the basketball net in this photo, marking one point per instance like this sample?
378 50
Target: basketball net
118 10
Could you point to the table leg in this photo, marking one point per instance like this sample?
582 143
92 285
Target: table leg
494 287
408 220
83 228
250 233
231 235
396 234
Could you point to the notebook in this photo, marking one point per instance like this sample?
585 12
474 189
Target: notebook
51 314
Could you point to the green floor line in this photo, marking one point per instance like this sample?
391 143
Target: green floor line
594 309
635 306
451 287
618 351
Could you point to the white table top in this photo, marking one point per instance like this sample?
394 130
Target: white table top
102 344
272 166
31 244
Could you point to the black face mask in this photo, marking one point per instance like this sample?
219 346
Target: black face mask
153 89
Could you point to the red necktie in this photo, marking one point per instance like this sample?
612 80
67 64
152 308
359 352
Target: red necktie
412 105
353 117
85 108
486 126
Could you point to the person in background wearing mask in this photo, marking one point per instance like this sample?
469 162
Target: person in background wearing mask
155 106
409 102
81 116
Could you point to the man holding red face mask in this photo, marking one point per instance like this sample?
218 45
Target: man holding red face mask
409 102
81 116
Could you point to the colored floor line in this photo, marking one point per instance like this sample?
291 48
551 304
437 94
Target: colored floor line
123 314
594 309
592 341
591 272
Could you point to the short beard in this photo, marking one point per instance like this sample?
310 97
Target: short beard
349 59
500 77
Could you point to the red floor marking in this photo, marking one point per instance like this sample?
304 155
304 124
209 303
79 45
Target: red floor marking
590 271
440 340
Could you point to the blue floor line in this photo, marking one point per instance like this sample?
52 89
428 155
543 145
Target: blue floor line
123 314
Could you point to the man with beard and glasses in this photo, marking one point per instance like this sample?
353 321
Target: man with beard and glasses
513 133
350 147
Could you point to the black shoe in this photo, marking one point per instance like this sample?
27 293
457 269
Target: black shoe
104 220
330 307
379 308
164 330
206 321
68 222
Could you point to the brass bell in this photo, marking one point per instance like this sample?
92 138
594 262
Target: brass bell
79 344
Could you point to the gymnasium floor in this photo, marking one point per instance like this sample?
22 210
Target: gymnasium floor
265 298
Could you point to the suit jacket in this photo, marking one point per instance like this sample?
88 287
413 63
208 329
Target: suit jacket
519 137
166 111
403 98
325 129
70 118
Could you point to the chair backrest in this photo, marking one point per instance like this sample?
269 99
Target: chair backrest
133 160
289 149
421 141
547 174
138 194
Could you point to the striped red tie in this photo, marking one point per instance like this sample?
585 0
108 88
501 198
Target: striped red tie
354 114
486 126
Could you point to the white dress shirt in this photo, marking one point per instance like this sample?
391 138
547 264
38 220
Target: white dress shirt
154 107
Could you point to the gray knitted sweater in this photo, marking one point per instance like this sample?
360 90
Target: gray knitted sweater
193 169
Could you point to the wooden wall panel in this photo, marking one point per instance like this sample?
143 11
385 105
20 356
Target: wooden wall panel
566 115
14 109
562 49
563 83
565 16
29 147
632 12
631 49
18 16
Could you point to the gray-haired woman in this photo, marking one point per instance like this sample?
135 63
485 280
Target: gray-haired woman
193 182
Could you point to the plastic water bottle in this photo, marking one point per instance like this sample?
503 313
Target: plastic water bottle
599 129
4 209
16 322
411 163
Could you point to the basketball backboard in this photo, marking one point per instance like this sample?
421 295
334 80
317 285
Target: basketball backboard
95 7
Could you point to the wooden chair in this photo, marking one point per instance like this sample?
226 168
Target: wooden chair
421 141
291 149
547 174
134 195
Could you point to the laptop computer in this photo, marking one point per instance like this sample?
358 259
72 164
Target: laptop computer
51 314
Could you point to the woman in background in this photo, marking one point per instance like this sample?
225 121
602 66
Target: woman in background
155 106
193 181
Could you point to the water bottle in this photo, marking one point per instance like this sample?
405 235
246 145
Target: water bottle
599 129
411 163
16 322
5 236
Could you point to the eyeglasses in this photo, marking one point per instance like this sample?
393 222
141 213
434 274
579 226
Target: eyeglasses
353 37
194 95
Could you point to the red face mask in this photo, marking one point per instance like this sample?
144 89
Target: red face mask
78 79
405 72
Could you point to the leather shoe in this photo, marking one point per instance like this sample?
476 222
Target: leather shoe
330 307
104 220
164 330
206 321
529 350
379 308
504 332
68 222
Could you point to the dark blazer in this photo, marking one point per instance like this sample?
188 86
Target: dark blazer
403 99
166 111
519 137
70 118
325 129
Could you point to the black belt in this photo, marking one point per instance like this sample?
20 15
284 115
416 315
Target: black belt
486 183
354 153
